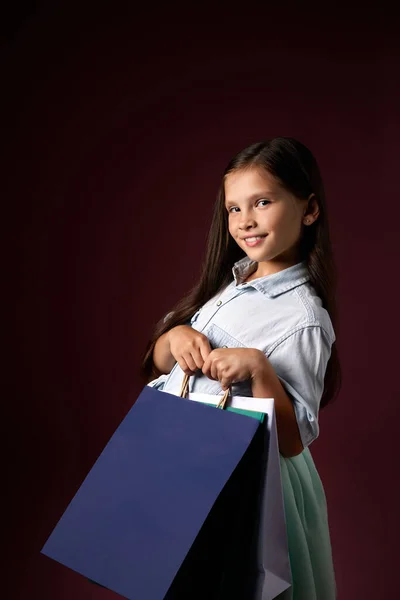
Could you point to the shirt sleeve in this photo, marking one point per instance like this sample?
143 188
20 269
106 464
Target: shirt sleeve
300 362
159 382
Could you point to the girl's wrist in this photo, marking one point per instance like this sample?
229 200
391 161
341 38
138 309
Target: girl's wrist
261 366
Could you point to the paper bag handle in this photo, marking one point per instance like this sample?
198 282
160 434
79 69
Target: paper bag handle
185 386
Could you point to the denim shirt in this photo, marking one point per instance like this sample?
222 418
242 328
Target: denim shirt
279 314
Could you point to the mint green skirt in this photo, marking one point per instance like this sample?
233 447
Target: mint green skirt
309 543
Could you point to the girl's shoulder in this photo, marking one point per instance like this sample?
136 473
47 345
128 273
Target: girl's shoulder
311 311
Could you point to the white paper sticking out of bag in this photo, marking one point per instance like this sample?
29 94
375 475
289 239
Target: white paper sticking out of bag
263 405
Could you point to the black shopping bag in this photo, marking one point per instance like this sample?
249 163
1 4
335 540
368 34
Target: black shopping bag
222 562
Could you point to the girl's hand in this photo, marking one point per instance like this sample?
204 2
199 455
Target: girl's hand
231 365
189 347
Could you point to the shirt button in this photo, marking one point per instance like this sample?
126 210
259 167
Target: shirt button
224 346
219 302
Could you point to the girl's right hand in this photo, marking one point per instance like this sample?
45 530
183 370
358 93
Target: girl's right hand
189 348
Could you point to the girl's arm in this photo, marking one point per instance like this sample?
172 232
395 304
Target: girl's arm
265 384
163 361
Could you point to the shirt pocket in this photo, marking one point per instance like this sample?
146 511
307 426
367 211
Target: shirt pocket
219 338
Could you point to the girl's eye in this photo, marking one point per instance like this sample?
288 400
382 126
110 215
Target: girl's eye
234 208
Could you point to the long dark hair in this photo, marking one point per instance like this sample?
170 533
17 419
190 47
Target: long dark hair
296 169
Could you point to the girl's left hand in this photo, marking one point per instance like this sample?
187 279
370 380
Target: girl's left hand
231 365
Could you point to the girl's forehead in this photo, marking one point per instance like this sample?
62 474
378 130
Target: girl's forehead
252 180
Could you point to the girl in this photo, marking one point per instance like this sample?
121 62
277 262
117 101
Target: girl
261 320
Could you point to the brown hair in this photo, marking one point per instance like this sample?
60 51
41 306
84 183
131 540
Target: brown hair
296 169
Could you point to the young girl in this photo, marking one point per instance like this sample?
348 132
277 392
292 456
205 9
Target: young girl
261 320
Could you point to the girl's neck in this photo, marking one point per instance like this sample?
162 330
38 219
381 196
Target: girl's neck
270 268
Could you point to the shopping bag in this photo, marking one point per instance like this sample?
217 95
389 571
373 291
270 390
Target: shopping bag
139 511
268 571
220 563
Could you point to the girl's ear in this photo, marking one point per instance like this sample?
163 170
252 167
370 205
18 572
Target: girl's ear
311 213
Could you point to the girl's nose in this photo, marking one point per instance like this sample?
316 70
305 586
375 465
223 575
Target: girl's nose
246 221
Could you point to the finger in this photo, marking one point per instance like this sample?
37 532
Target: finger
206 370
184 366
205 348
208 363
226 376
214 371
224 384
226 381
206 367
190 362
197 358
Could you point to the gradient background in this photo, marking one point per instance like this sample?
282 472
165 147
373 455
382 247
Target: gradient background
117 126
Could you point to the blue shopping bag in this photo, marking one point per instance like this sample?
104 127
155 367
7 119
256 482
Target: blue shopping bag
139 511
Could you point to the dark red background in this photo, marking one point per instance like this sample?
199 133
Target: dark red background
116 130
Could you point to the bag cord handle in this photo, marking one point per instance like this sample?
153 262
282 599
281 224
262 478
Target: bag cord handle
185 387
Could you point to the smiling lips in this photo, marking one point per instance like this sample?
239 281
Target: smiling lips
254 240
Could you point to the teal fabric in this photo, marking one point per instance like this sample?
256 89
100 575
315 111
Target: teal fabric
307 527
307 531
241 411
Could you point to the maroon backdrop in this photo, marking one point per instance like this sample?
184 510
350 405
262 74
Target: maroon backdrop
116 131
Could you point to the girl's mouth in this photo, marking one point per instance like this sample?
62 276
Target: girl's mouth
254 241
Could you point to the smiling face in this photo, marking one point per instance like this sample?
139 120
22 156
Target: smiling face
258 205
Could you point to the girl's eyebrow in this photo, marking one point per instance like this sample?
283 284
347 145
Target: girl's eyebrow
263 194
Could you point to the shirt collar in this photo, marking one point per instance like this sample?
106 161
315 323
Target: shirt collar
271 285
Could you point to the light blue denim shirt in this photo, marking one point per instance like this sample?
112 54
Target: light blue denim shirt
279 314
